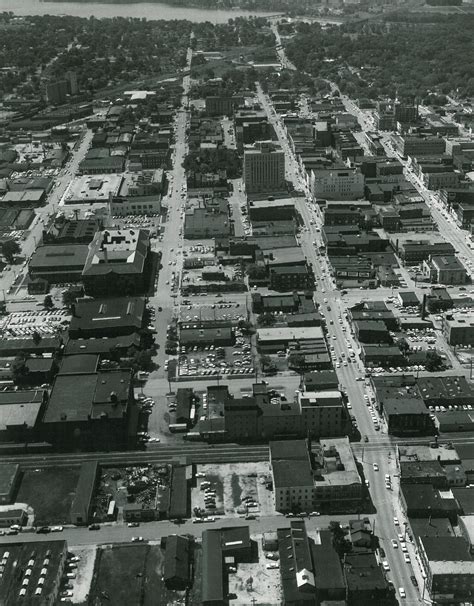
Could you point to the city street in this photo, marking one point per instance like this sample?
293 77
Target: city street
376 467
154 531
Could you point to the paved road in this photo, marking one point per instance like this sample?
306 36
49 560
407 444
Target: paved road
334 308
153 531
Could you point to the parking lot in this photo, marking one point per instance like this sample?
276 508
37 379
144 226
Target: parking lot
217 360
232 490
26 323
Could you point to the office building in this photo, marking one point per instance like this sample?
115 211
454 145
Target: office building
56 92
337 183
264 168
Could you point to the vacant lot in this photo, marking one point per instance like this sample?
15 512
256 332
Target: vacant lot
254 582
50 493
119 575
131 574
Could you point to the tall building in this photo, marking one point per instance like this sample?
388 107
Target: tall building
337 183
405 112
73 87
264 167
56 92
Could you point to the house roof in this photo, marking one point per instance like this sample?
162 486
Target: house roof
59 256
177 558
212 568
121 251
104 314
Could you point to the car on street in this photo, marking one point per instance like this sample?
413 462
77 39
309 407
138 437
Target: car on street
396 522
385 566
402 593
394 544
376 467
413 580
406 558
94 527
43 530
133 524
57 528
137 539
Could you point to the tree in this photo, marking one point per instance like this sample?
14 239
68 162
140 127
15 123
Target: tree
268 365
266 319
246 327
433 361
19 368
143 360
256 271
36 337
69 297
10 248
48 302
296 360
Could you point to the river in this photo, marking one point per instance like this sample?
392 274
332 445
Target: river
149 10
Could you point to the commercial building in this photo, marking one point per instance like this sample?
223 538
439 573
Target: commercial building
222 105
107 317
414 249
292 475
117 263
264 168
406 414
310 568
177 566
9 479
81 506
337 484
122 206
32 574
56 92
290 278
425 501
327 479
20 414
201 332
445 269
419 145
449 568
337 184
458 328
323 413
365 580
275 339
70 231
57 263
220 548
90 410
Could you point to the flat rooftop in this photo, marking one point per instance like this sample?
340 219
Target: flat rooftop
92 188
290 333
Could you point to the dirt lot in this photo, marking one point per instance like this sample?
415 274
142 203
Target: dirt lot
50 493
131 574
84 573
265 585
233 482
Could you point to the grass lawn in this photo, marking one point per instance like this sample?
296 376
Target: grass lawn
155 589
50 492
119 574
127 575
